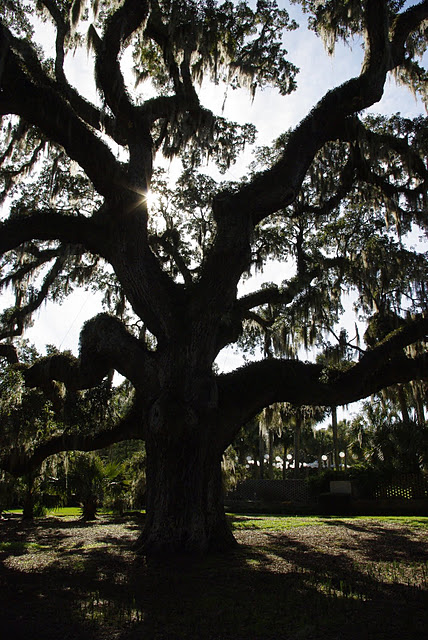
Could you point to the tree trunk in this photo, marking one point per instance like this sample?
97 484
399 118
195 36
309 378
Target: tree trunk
261 457
297 434
420 412
403 405
270 466
28 506
335 443
284 462
184 507
89 509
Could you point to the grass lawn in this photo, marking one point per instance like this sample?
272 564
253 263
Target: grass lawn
282 523
58 511
291 577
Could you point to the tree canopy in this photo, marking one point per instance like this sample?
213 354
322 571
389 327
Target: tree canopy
336 197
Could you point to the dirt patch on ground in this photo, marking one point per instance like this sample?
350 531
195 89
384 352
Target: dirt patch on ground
344 578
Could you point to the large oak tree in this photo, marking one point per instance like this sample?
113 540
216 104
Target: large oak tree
76 175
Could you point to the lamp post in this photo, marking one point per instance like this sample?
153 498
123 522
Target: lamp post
324 459
342 456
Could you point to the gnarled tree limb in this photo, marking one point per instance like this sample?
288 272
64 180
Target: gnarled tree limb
52 225
8 351
131 427
277 187
38 102
263 383
105 344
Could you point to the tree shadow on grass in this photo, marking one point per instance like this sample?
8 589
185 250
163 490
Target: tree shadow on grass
386 543
272 587
391 595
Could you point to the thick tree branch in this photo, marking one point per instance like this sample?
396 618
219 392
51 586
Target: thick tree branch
17 320
62 31
237 213
8 351
19 462
105 344
403 26
277 187
263 383
276 295
43 106
376 54
26 165
158 32
356 132
388 189
286 294
172 250
258 319
131 120
51 225
41 257
84 109
38 102
411 158
119 27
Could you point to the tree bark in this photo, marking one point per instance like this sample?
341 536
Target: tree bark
89 509
297 434
184 499
28 506
335 445
271 442
261 457
403 405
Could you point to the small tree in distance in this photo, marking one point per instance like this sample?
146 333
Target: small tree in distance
325 196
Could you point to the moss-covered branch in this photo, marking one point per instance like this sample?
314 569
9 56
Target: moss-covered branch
105 344
121 24
51 225
28 92
8 351
245 392
278 186
20 461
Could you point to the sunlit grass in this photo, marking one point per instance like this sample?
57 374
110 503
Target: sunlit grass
264 522
273 523
282 523
335 568
61 511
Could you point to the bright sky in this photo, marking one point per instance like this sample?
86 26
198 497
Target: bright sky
271 113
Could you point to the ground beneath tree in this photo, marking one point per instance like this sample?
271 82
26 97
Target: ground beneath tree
335 578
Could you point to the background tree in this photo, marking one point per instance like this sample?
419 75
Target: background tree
83 215
87 479
383 441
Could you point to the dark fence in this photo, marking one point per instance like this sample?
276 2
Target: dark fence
408 487
295 491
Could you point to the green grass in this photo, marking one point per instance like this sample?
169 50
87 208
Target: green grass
60 511
265 522
405 521
282 523
273 523
308 583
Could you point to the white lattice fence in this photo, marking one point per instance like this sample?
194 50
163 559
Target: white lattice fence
408 486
